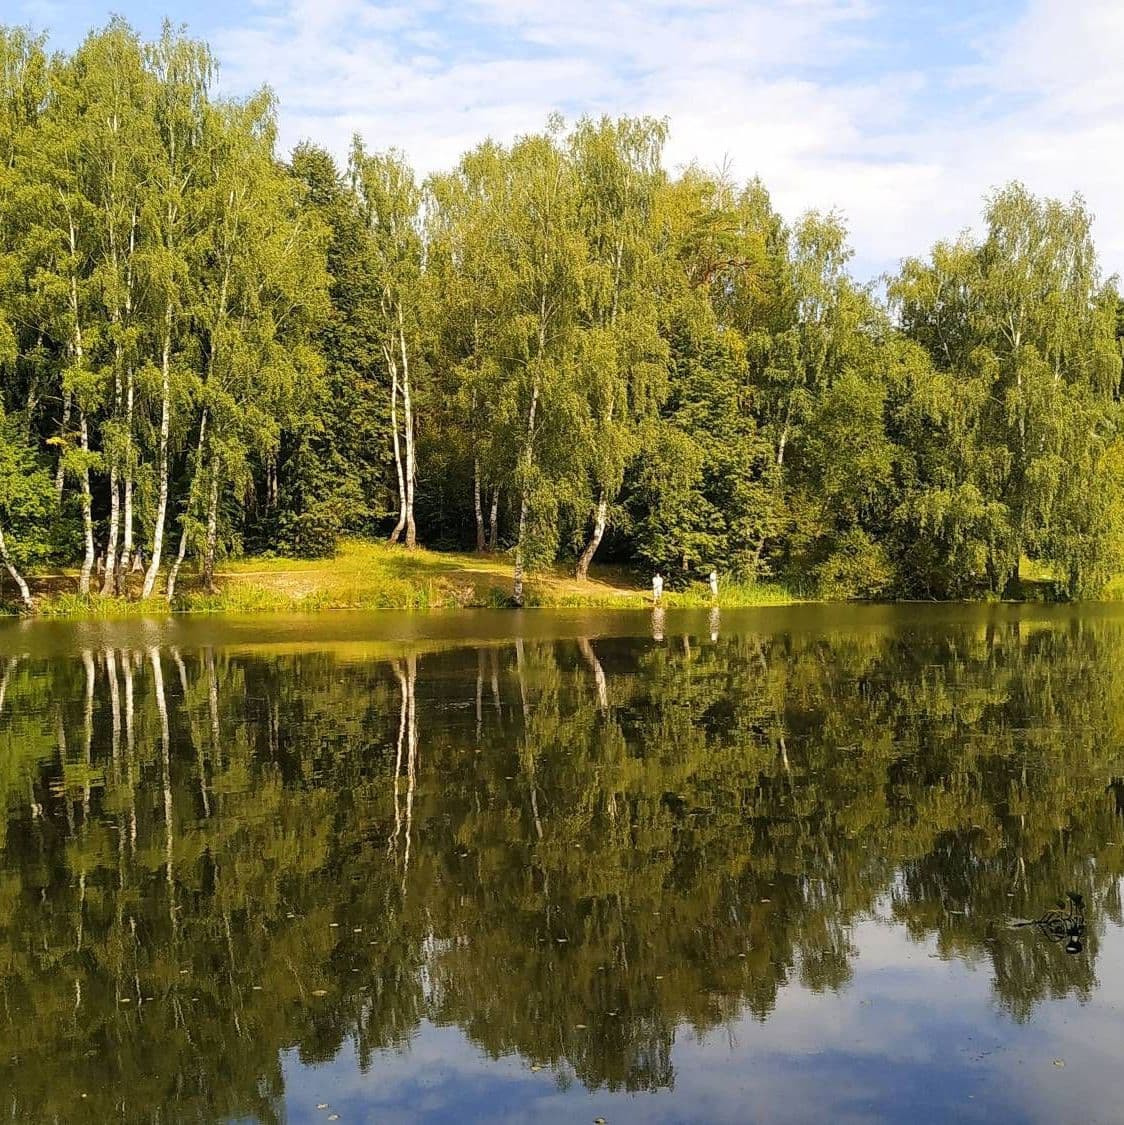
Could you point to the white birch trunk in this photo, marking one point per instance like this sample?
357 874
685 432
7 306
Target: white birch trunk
174 570
411 452
17 578
399 527
478 506
109 582
212 528
600 519
528 454
494 520
162 465
87 510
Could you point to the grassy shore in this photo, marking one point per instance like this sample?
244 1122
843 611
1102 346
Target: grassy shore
374 575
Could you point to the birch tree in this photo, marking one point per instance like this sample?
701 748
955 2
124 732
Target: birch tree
261 296
60 166
544 407
390 200
619 175
183 71
119 141
471 281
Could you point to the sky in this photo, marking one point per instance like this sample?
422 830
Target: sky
901 114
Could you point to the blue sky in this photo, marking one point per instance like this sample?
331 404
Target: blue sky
902 115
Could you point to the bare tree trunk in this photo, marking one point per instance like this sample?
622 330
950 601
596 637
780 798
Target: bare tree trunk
517 586
494 520
600 519
411 451
528 453
162 467
480 544
130 389
87 510
174 570
401 524
109 582
127 483
17 578
212 528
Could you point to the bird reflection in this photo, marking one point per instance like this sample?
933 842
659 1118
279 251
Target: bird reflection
1062 923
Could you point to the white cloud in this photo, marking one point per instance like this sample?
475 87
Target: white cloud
810 94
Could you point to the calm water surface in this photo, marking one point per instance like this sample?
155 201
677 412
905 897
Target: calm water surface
562 866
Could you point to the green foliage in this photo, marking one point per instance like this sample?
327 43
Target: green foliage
27 500
702 495
1009 423
557 346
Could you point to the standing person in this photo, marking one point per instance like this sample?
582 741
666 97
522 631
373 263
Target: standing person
657 588
714 585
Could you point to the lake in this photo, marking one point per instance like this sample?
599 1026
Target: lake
562 866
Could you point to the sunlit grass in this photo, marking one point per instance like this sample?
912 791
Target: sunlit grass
100 607
376 575
370 575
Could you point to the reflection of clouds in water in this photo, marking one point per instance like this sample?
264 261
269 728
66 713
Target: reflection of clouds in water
912 1037
694 772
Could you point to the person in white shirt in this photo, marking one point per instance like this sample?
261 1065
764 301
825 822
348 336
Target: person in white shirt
657 587
714 584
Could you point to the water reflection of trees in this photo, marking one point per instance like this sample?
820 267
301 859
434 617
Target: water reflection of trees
567 850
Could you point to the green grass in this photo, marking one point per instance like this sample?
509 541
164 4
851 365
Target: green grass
99 607
734 595
367 575
375 575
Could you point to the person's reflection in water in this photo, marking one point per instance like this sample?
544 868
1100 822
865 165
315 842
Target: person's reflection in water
714 621
657 623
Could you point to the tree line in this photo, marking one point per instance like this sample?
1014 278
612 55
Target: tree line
557 348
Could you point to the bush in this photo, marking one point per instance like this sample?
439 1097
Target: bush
857 567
